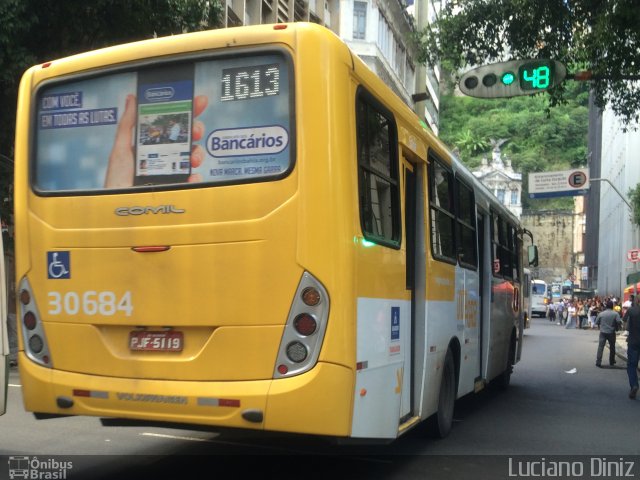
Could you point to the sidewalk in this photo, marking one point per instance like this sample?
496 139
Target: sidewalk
621 346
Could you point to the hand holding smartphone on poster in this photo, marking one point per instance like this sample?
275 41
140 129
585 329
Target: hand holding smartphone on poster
162 158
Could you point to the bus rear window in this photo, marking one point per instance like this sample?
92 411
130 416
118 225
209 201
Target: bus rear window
213 121
538 289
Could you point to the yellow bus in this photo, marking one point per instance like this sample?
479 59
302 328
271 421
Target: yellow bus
299 254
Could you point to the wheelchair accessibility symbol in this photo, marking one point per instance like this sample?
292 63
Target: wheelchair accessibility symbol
58 265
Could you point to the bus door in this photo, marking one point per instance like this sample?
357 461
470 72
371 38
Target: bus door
4 336
485 269
413 348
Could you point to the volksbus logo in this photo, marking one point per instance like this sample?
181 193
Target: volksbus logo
125 211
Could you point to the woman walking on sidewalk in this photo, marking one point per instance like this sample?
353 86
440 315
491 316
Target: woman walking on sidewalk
632 319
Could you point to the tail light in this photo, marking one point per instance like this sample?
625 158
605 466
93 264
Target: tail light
304 330
34 339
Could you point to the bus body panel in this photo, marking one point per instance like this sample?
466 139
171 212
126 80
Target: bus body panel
468 326
204 403
209 354
383 337
503 322
233 270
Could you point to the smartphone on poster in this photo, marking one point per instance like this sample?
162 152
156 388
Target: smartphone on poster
164 125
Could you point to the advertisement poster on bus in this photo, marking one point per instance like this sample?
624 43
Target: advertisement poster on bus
215 121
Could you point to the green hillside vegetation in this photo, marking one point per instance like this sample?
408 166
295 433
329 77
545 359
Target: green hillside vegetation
540 139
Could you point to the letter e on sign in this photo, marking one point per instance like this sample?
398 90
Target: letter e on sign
633 255
577 179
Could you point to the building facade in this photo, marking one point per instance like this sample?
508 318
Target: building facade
376 30
553 233
617 234
500 178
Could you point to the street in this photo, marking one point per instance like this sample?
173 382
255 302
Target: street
558 403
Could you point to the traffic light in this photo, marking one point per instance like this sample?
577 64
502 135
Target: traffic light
513 78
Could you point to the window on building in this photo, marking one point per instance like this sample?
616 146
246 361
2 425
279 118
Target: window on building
359 20
500 195
514 197
390 48
378 172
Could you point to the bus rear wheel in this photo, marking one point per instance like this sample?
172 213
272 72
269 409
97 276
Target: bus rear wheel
443 420
505 378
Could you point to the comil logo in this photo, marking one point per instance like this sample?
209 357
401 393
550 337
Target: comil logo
38 469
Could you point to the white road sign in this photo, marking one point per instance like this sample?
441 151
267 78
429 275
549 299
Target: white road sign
559 184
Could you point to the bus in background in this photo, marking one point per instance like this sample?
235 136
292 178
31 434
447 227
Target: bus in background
567 290
4 333
539 298
554 292
300 233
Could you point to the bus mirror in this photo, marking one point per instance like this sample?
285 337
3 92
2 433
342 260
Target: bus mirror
532 251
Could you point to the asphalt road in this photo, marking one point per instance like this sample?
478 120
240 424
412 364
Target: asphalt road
558 403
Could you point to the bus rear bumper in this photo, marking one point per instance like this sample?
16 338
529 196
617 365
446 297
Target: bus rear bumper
317 402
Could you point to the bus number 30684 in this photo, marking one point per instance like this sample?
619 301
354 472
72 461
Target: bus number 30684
90 303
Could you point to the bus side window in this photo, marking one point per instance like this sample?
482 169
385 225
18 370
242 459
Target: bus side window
466 226
495 245
442 212
377 172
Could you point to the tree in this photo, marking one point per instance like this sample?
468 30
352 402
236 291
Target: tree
537 141
586 35
34 31
469 145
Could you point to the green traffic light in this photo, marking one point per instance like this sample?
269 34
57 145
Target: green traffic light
536 75
508 78
512 78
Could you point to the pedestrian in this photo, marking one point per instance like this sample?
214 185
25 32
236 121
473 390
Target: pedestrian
594 310
608 321
583 313
632 319
626 305
572 316
552 312
560 313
